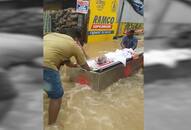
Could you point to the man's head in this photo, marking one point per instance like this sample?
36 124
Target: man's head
75 33
130 33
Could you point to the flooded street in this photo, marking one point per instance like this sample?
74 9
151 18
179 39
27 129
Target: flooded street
167 88
167 104
119 107
24 111
19 24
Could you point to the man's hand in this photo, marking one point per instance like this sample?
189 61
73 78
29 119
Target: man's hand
74 65
70 64
86 67
122 46
135 56
87 57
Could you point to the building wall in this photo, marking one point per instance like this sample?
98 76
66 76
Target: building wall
102 9
110 8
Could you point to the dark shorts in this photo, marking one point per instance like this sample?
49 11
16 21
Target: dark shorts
53 86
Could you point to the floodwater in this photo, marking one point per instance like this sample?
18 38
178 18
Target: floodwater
24 111
167 104
167 95
119 107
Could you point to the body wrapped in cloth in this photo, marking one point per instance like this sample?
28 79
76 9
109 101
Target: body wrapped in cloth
111 58
108 68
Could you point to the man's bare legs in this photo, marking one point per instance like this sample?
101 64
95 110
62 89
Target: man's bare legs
54 108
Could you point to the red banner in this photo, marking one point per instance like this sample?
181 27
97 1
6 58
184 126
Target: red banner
101 26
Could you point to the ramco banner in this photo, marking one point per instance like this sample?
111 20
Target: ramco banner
102 22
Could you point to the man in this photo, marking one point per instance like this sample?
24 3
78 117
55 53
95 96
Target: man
58 49
129 41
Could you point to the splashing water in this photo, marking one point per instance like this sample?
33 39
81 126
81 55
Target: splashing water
119 107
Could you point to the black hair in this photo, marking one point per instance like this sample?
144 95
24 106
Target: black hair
132 31
74 33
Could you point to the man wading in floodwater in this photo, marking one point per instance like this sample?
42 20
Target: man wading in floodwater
129 41
58 49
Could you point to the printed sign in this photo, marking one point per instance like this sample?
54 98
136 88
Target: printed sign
82 6
102 24
100 4
100 32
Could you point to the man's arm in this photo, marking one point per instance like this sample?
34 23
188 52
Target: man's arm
80 57
70 64
86 67
84 52
135 43
122 46
82 49
121 43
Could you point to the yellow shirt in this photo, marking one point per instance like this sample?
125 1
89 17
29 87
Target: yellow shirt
59 48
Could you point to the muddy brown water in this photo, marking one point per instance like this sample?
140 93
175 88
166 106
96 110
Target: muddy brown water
119 107
23 112
167 97
167 104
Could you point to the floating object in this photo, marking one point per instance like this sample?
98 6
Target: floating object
111 59
106 74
